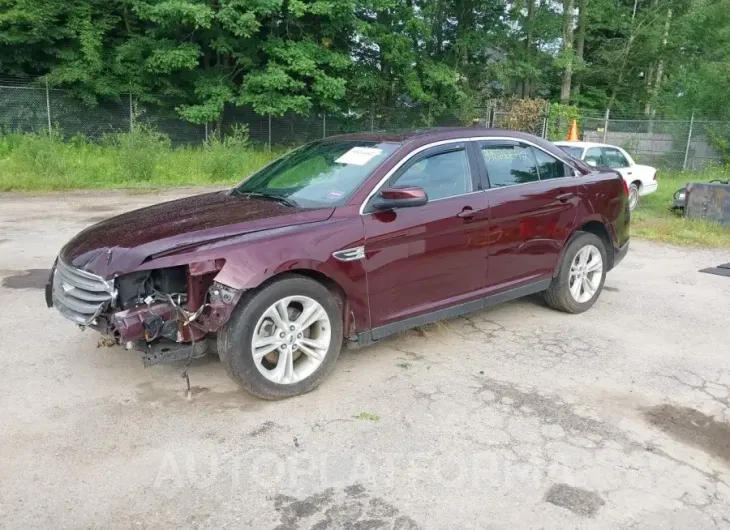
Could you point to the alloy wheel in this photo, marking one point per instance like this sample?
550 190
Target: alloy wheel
291 339
586 271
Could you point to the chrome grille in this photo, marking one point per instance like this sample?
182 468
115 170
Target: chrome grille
80 296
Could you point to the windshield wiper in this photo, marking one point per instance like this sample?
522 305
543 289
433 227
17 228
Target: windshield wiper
268 197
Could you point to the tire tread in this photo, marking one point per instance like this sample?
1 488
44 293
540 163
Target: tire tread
558 295
246 374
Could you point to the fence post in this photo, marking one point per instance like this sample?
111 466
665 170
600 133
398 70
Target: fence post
372 118
131 114
206 130
48 109
269 132
324 124
545 121
689 139
605 124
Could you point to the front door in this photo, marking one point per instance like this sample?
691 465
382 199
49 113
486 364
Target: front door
430 257
533 200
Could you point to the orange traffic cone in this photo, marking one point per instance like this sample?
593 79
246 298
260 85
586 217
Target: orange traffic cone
573 134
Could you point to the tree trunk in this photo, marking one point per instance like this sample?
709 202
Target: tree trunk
567 50
529 30
619 80
580 39
654 90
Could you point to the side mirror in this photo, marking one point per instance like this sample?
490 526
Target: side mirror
592 163
390 198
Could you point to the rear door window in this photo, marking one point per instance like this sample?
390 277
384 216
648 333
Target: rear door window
614 158
509 164
549 167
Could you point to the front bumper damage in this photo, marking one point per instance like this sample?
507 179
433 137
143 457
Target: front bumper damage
163 328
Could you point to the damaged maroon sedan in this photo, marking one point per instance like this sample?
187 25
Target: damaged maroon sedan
351 238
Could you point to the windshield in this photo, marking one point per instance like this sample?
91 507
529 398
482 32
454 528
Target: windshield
323 173
575 152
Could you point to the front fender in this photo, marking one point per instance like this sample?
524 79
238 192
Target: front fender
252 259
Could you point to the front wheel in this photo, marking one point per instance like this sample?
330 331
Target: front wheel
282 340
582 272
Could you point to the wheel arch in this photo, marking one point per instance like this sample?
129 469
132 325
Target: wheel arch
597 228
314 272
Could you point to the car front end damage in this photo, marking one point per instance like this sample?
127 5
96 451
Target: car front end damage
168 314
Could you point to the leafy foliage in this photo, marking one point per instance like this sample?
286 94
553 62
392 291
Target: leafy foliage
278 56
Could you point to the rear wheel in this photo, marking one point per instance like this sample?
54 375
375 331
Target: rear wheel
633 195
582 272
282 340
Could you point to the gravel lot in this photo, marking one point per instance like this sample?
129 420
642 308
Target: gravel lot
515 417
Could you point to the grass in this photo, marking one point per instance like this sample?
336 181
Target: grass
653 220
144 159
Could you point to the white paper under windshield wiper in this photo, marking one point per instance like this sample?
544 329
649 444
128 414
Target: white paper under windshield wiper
268 196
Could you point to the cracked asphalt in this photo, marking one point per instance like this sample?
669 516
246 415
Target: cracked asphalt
515 417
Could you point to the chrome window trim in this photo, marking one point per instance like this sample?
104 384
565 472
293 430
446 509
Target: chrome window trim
413 153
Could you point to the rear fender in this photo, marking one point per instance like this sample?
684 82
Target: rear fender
595 218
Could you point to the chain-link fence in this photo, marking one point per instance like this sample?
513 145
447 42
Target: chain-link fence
668 144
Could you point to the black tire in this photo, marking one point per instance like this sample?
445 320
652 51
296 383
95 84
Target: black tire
558 294
634 188
234 339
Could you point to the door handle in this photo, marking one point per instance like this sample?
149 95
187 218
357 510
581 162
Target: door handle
466 213
565 197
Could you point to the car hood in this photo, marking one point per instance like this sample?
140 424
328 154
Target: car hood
121 244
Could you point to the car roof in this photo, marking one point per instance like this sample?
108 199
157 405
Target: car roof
568 143
433 134
420 137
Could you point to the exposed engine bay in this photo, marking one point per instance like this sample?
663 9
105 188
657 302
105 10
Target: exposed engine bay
168 314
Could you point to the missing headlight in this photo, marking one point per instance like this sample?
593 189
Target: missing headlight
135 287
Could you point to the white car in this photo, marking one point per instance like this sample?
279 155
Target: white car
640 179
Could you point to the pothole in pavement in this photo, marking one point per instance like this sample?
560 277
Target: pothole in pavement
351 507
693 427
577 500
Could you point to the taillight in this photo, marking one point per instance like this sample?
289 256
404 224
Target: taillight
626 187
656 174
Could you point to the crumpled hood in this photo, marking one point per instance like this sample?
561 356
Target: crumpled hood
121 244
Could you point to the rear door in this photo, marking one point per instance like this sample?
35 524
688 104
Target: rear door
533 200
430 257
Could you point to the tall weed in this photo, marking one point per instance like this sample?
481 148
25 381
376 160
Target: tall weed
142 158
